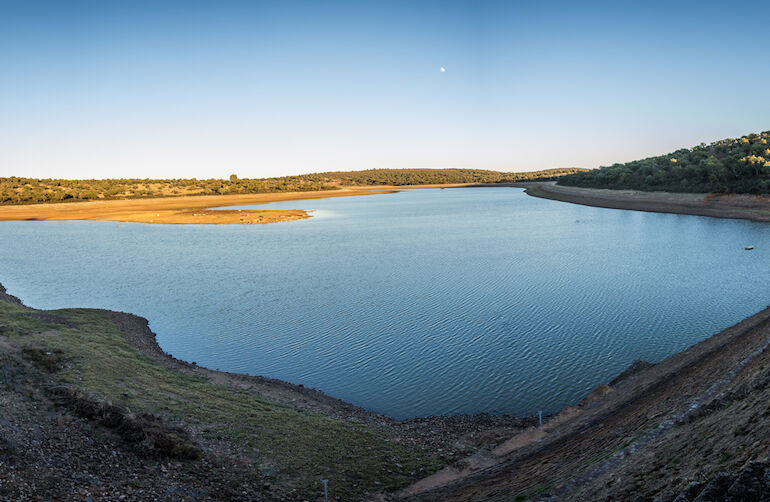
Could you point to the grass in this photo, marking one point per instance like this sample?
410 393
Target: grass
89 353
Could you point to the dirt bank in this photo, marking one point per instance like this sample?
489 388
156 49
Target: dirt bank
740 206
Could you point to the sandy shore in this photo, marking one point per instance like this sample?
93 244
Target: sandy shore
177 210
195 209
740 206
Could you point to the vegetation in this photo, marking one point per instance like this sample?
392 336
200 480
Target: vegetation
86 363
16 190
728 166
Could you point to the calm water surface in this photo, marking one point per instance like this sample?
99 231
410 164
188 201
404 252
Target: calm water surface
416 303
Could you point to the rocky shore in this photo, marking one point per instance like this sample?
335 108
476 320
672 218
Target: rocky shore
692 427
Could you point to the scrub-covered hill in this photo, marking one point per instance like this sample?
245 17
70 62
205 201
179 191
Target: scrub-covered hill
730 165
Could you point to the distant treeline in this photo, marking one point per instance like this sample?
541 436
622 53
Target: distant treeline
16 190
728 166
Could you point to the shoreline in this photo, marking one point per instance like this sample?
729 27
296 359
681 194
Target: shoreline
643 403
484 452
144 340
733 206
454 434
197 209
191 209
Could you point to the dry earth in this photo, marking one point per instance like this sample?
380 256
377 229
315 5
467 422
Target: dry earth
741 206
195 209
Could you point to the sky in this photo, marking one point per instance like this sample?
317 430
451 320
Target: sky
172 89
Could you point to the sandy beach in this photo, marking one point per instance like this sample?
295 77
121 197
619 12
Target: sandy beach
178 210
195 209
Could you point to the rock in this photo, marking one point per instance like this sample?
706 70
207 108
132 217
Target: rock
667 495
689 493
635 368
750 485
716 489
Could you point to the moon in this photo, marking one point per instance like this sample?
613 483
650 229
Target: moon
442 69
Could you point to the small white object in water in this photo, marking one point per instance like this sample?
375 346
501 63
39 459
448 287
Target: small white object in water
443 69
749 248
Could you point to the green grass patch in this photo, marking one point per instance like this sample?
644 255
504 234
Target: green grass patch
296 449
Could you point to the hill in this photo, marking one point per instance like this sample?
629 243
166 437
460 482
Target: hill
18 190
728 166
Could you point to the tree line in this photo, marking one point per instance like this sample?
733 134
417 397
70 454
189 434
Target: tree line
19 190
733 165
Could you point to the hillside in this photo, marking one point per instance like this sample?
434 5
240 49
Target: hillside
728 166
17 190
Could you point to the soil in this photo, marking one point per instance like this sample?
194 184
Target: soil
740 206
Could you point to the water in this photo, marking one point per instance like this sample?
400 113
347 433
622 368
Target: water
416 303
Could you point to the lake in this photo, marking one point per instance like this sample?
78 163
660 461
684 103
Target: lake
422 302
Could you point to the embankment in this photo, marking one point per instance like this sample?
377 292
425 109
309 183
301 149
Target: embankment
685 420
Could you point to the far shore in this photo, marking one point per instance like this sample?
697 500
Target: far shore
193 209
739 206
197 209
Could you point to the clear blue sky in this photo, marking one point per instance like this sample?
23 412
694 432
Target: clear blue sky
205 89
